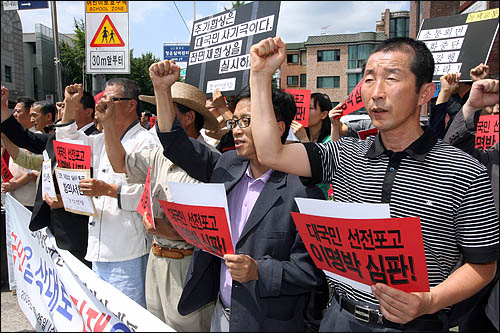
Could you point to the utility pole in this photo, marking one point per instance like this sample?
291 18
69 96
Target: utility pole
57 58
194 11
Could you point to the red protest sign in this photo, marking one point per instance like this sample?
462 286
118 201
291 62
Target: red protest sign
366 133
6 174
302 99
203 227
152 121
145 202
72 155
389 251
486 131
354 101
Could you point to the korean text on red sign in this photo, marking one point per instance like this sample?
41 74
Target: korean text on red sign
354 101
302 99
72 156
204 227
486 131
369 251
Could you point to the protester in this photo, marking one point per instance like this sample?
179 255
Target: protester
146 119
22 112
170 255
451 97
480 312
69 230
43 115
319 123
262 286
404 166
118 246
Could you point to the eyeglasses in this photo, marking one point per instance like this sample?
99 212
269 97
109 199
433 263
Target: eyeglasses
242 122
116 99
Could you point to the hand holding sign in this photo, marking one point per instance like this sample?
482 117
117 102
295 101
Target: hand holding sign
94 188
242 267
267 56
54 204
164 74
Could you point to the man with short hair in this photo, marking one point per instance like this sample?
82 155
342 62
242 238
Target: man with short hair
170 255
404 166
43 115
262 287
118 246
22 111
84 115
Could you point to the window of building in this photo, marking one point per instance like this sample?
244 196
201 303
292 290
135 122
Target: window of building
352 81
399 27
303 80
35 85
303 58
358 54
329 55
334 104
292 80
292 58
328 82
8 73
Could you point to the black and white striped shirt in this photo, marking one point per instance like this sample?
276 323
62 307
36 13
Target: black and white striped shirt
448 189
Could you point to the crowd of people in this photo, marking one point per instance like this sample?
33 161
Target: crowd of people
265 159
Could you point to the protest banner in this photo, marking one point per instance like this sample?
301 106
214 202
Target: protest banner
6 174
369 251
486 131
353 101
204 227
73 199
72 155
460 42
146 202
47 184
219 50
152 121
302 99
56 292
366 133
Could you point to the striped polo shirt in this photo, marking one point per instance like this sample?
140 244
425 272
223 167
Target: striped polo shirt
448 189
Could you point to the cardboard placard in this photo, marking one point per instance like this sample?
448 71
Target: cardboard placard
145 202
486 131
72 156
152 121
204 227
219 50
368 251
69 186
6 174
353 101
302 99
47 183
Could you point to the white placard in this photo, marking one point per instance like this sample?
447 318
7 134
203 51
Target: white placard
47 183
441 69
445 44
234 64
440 33
445 57
222 84
74 201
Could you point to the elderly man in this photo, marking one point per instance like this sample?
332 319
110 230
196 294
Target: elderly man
404 166
118 246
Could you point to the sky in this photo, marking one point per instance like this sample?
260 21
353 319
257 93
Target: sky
152 23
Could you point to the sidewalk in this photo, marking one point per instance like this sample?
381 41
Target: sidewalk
12 318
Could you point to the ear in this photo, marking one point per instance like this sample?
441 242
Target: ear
426 92
281 125
190 116
324 114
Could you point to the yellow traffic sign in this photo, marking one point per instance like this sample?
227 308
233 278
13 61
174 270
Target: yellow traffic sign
107 35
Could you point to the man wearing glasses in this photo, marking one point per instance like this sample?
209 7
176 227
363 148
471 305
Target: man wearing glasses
263 286
118 245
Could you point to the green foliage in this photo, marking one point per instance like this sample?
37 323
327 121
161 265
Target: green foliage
235 4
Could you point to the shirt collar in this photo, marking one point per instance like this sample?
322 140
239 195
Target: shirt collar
129 128
418 149
264 178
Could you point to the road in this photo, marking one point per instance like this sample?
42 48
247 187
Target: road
12 318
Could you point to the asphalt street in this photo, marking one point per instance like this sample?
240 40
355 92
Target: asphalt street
12 318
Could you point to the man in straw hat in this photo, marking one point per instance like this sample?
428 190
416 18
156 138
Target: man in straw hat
263 286
118 245
168 264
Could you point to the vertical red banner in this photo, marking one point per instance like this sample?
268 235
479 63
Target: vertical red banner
486 131
353 101
6 174
369 251
204 227
152 121
145 202
302 99
72 156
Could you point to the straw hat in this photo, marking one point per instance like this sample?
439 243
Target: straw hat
192 98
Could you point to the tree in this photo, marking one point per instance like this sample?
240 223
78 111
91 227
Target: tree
73 58
235 4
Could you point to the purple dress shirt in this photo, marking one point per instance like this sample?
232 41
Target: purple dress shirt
241 200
